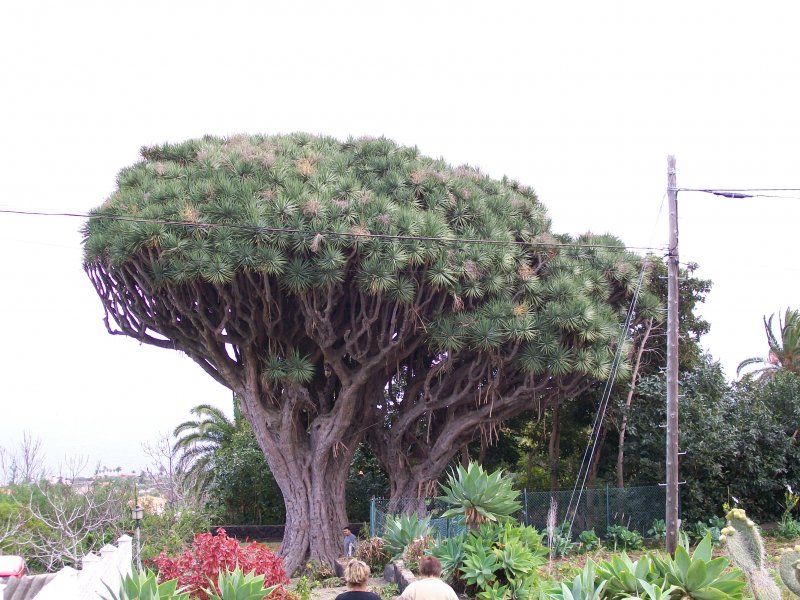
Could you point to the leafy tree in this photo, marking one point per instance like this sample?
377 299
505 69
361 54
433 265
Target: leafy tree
784 348
242 489
365 479
199 440
308 274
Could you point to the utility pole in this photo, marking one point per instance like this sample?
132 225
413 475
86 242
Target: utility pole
672 361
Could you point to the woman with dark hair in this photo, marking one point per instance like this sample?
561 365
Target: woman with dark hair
429 586
356 575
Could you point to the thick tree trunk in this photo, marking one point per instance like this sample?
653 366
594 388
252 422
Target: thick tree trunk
315 513
554 449
309 462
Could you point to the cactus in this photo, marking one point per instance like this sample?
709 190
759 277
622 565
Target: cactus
746 549
789 569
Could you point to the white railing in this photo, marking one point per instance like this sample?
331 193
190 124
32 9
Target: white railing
97 571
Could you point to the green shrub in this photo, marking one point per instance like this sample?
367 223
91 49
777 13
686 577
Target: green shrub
401 530
658 530
620 537
172 531
303 587
588 541
697 531
388 591
561 542
499 560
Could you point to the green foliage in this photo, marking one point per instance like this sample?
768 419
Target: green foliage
236 585
658 530
494 560
304 586
620 537
145 586
697 531
242 489
401 530
450 553
585 586
479 496
701 577
389 591
199 439
331 582
784 347
171 531
588 540
788 527
365 479
223 457
625 578
561 542
319 571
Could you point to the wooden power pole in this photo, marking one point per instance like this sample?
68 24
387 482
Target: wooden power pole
672 361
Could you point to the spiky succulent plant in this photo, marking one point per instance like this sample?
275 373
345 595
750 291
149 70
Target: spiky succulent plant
480 496
789 569
746 549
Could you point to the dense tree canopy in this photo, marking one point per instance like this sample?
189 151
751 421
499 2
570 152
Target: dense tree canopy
355 289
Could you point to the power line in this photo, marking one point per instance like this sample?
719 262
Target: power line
744 193
335 234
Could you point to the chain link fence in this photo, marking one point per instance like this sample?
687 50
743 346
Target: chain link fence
635 507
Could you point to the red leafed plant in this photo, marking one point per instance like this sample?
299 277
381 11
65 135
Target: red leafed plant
197 567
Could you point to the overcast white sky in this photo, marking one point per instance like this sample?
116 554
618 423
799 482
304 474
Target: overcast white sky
581 100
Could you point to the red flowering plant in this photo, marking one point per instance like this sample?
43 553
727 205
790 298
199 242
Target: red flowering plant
198 568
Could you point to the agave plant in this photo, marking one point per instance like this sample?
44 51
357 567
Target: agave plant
237 585
626 578
585 586
479 496
700 577
401 530
144 586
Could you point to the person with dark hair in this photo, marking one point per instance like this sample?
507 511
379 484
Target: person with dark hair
429 586
356 575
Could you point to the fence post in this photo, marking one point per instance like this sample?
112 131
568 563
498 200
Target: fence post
608 509
525 496
372 517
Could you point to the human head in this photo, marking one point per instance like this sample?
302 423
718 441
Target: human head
430 567
356 573
346 531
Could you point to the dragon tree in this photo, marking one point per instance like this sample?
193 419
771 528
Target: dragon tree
354 290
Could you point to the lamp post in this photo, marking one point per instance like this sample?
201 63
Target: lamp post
137 513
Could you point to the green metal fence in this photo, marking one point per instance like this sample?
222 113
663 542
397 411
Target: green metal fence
634 507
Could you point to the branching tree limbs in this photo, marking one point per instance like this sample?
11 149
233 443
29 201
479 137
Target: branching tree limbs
310 275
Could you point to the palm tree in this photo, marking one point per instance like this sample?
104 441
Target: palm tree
784 348
198 440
